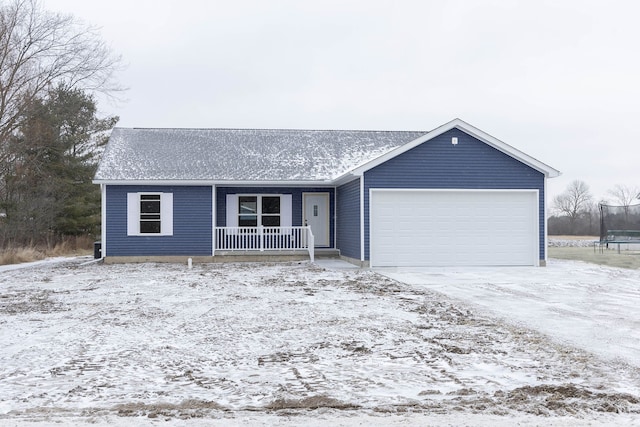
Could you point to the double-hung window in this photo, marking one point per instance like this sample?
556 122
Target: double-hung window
259 210
149 214
150 217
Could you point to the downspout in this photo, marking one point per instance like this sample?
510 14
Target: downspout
335 214
103 219
546 229
362 219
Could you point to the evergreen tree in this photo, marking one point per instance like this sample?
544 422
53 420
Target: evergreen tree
49 190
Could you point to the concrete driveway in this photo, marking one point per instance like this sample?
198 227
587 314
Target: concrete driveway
592 307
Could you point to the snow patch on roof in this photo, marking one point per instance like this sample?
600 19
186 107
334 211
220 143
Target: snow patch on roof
242 154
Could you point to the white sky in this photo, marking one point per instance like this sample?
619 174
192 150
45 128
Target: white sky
559 80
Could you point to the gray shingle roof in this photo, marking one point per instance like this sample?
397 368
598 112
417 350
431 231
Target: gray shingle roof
242 154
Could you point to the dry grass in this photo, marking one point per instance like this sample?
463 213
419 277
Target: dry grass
609 257
20 255
80 245
70 246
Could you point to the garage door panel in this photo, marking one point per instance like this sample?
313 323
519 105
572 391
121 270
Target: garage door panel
422 228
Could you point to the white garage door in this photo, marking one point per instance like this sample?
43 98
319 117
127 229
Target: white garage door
463 227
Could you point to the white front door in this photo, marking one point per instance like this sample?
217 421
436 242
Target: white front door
316 215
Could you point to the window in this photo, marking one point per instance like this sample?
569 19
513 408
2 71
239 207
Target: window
271 211
149 214
248 211
259 210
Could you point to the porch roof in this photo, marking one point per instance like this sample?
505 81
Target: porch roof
137 154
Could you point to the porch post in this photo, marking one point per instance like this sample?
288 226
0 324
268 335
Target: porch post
260 234
312 243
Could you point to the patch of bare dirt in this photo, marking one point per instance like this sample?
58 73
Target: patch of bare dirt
14 303
568 399
312 402
192 408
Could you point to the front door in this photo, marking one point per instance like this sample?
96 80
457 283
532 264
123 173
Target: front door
316 215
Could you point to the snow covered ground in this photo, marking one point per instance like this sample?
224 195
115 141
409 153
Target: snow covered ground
303 344
592 307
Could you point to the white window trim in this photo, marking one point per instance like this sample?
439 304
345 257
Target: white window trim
286 207
133 214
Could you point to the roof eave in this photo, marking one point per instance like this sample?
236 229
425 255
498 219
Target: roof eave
228 183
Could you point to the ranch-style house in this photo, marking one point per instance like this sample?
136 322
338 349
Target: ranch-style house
451 196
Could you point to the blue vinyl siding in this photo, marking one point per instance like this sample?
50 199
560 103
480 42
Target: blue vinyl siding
192 228
348 217
471 164
296 202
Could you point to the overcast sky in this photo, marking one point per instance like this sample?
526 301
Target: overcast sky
559 80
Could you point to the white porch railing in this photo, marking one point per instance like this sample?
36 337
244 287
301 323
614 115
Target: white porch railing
265 239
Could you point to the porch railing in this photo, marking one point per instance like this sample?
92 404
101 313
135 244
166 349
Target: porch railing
265 239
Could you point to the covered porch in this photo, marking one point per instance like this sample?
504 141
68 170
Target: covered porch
263 240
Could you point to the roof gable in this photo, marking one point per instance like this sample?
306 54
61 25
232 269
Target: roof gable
548 171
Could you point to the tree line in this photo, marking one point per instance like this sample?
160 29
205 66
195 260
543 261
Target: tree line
51 69
576 212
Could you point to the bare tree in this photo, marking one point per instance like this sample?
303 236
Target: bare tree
624 195
40 49
574 201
